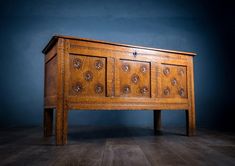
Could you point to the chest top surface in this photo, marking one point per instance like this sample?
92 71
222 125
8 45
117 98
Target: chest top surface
55 38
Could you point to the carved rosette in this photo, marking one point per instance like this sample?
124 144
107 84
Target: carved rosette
126 67
135 78
166 71
144 90
78 87
99 64
166 91
99 88
143 69
181 92
88 76
181 71
77 63
126 89
173 81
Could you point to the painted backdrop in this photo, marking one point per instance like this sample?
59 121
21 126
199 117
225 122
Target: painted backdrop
206 28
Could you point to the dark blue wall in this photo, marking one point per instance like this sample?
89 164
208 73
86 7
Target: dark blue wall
206 28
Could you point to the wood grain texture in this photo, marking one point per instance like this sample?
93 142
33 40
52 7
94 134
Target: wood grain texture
174 83
87 76
190 113
133 81
82 74
48 122
61 121
108 146
76 39
50 77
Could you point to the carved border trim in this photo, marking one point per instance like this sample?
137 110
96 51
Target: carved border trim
130 53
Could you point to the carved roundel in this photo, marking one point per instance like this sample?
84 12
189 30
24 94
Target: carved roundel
143 69
166 91
173 81
181 92
88 76
99 88
166 71
77 63
181 71
126 89
144 90
126 67
135 78
78 87
99 64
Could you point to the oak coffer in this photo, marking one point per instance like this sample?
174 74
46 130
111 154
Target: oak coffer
84 74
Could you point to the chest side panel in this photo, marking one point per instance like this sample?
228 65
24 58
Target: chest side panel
50 78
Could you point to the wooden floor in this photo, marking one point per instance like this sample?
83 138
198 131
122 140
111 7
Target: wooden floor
117 147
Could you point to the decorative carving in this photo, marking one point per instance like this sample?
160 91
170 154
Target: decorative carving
166 71
181 71
126 67
166 91
181 92
135 78
99 88
108 50
99 64
143 69
144 90
77 63
173 81
78 87
88 76
126 89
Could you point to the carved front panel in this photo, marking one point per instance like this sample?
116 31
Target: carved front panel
134 78
173 81
87 76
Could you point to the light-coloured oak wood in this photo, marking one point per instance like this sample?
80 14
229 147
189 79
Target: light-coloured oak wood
83 74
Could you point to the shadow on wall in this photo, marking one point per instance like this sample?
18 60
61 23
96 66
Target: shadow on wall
197 26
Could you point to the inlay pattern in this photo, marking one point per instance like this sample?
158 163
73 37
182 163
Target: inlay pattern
126 67
135 79
143 69
174 81
144 90
99 88
88 76
90 73
166 71
78 87
83 74
126 89
99 64
77 63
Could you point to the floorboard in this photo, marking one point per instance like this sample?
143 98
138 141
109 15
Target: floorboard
117 146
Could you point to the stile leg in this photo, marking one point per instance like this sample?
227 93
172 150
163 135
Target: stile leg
190 122
157 120
48 122
61 127
65 127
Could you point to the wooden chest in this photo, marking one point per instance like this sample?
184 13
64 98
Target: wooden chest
84 74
